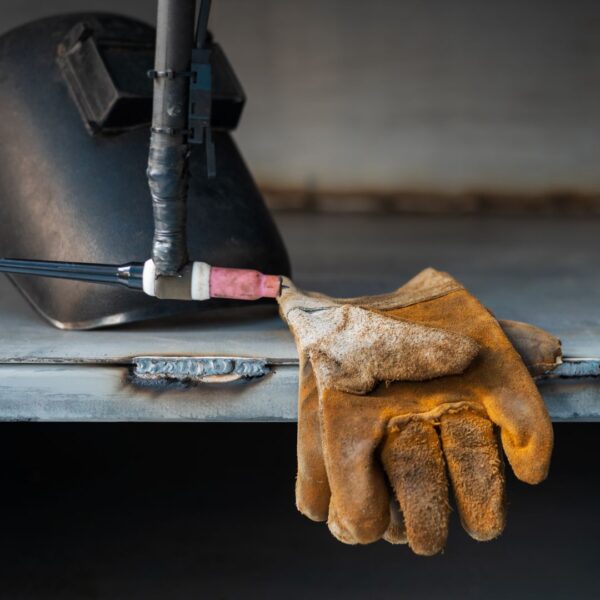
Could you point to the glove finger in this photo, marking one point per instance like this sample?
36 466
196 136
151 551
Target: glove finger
540 351
396 531
525 427
414 463
312 486
476 473
359 510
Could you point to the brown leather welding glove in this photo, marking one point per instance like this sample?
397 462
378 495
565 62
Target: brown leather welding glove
352 448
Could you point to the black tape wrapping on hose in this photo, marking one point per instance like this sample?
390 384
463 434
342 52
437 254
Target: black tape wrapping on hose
168 181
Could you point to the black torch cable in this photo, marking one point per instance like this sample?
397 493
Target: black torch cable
202 23
169 151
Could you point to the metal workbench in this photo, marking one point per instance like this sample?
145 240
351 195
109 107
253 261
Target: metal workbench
542 270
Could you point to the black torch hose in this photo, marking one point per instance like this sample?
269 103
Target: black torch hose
169 151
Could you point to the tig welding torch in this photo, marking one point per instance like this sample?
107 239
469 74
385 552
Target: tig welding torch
195 281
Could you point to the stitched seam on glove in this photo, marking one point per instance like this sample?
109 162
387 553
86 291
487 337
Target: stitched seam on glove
427 285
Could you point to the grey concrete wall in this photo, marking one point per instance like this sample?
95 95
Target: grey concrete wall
424 95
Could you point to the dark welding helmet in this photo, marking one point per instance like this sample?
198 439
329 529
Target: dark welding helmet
75 112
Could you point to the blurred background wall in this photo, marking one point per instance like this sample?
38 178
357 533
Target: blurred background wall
406 96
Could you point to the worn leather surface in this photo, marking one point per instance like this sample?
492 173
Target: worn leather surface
378 465
352 348
541 351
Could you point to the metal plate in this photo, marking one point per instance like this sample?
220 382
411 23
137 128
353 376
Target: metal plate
513 265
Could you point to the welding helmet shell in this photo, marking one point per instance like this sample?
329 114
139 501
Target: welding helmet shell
75 110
